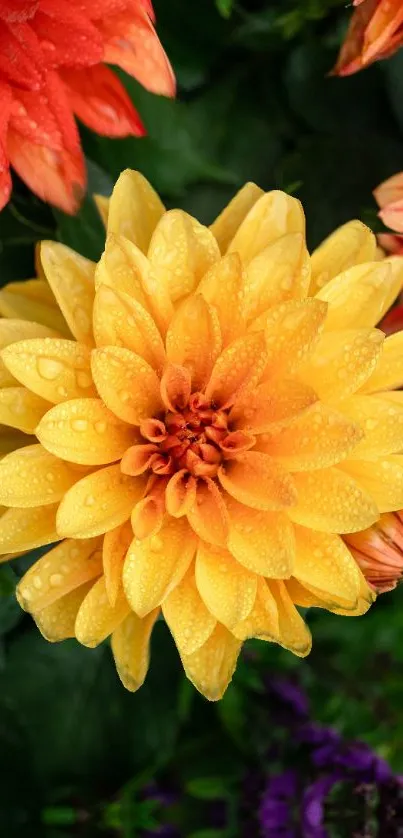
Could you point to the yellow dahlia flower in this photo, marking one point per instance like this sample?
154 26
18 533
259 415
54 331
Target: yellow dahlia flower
198 419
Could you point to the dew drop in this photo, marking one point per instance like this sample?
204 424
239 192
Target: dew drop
100 427
49 368
56 579
90 500
79 424
84 379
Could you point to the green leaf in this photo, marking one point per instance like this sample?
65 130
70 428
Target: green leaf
225 7
208 788
84 231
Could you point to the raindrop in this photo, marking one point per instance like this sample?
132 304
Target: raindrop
49 368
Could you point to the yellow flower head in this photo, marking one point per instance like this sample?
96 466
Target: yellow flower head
204 413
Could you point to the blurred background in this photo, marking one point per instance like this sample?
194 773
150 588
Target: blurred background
278 755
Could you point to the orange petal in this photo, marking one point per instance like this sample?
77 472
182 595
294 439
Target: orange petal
98 503
263 621
32 300
180 493
134 209
222 288
57 621
291 331
193 339
273 215
133 45
71 278
138 459
342 361
126 383
155 565
176 387
85 431
256 480
349 245
68 566
181 251
211 667
270 405
208 516
56 370
21 409
227 588
227 223
325 566
120 320
316 438
261 541
25 529
96 618
148 515
130 647
294 634
115 546
278 273
238 370
187 616
331 501
32 477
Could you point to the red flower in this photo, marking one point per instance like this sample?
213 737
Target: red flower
375 31
52 67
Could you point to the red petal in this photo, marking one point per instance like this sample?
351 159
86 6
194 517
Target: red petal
59 103
5 179
101 102
21 61
33 118
67 37
133 44
56 176
393 322
97 9
14 11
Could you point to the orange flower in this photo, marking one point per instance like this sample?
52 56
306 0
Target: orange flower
52 67
198 419
375 31
379 551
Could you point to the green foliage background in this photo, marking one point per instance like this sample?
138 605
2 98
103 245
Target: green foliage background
255 103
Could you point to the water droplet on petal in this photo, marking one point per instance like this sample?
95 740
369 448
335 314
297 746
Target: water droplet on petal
49 368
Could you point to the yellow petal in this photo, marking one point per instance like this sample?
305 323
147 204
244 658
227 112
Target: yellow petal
272 216
119 320
293 633
126 383
32 477
261 541
181 251
96 618
71 278
84 431
56 370
349 245
15 330
388 373
381 418
119 268
102 205
316 438
222 288
98 503
326 567
32 300
56 622
262 622
21 409
25 529
211 667
155 565
193 339
381 478
226 587
291 331
115 547
258 481
134 209
331 501
71 564
278 273
306 599
270 405
238 370
227 223
208 516
130 647
359 297
342 361
190 622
